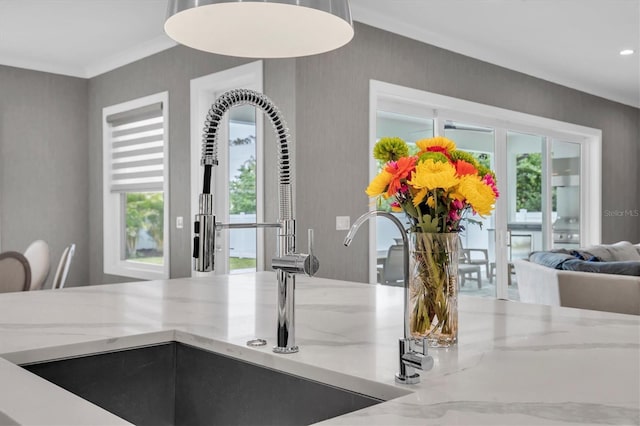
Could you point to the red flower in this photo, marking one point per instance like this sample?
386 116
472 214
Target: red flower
440 149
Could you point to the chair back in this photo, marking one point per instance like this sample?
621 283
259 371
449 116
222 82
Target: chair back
15 273
63 267
463 255
38 256
393 270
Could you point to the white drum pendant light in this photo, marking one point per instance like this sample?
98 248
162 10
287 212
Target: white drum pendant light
260 29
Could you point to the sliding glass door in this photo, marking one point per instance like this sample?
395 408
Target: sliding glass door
525 191
542 168
566 176
409 126
477 262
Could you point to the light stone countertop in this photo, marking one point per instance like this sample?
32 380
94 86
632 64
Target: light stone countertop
516 364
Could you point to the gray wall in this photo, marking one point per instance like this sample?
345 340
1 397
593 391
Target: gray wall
332 101
171 71
324 99
43 165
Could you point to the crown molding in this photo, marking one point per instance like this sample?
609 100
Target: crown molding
128 56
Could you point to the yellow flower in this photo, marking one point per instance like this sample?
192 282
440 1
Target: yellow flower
379 184
419 196
437 144
431 202
430 175
478 194
417 199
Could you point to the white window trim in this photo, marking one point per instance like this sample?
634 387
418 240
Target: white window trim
248 76
112 213
383 94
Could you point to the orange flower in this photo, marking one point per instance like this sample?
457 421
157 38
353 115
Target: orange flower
399 170
463 168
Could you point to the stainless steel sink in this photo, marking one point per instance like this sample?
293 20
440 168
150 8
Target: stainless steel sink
177 384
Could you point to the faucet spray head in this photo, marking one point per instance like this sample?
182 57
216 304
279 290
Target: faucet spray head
204 241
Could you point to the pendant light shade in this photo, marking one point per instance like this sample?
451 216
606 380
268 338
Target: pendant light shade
260 29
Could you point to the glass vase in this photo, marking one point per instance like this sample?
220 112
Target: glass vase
433 279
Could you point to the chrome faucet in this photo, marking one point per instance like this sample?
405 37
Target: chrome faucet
287 263
410 358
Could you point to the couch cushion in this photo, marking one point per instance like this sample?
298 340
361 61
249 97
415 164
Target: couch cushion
585 255
621 251
551 259
617 268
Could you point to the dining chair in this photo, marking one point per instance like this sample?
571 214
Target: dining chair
466 271
15 273
393 269
38 256
63 267
467 257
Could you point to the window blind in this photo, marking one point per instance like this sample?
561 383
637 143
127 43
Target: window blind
137 149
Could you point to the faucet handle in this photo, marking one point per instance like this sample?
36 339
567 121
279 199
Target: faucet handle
426 360
411 360
298 263
311 262
310 241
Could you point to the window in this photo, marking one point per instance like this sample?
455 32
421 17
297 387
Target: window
135 188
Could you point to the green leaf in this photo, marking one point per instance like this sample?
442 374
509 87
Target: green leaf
429 224
410 209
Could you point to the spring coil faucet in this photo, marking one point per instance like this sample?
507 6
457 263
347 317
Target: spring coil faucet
287 263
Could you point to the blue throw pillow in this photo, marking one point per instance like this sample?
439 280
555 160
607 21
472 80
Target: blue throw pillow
630 267
585 255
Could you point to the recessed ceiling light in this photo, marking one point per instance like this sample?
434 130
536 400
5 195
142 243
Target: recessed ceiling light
626 52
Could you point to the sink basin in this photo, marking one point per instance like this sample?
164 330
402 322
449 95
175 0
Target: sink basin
177 384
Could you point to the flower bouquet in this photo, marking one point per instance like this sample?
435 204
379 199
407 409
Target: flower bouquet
437 188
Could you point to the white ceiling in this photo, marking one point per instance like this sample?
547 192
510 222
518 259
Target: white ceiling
575 43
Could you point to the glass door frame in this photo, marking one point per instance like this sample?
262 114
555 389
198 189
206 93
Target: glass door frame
442 108
204 91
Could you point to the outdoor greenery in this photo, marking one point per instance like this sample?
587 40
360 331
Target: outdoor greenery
529 183
234 262
242 189
145 210
241 263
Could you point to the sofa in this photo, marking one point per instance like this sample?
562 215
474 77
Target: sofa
602 278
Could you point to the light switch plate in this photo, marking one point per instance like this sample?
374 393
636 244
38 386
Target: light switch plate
343 223
179 222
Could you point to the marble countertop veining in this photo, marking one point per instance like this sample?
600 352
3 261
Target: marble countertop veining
516 364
